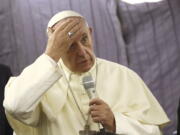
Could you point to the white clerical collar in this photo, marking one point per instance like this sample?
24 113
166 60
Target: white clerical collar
92 71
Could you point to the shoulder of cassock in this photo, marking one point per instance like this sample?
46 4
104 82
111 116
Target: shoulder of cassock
128 94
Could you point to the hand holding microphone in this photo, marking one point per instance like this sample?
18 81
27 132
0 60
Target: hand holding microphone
99 110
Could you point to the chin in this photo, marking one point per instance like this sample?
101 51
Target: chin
85 69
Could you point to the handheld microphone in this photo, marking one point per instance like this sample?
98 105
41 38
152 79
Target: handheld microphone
89 86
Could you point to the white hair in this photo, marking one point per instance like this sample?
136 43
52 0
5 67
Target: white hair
62 15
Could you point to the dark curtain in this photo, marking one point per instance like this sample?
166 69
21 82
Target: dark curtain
144 37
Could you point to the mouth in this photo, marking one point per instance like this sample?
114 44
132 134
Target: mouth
82 62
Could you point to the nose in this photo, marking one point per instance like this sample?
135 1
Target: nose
81 50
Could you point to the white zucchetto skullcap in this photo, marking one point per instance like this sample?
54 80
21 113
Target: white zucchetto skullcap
62 15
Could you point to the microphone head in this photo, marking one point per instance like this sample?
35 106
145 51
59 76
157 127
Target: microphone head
88 82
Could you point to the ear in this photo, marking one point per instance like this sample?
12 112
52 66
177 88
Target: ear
49 31
90 30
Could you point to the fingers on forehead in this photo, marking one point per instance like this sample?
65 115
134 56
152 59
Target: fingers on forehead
66 21
61 25
71 24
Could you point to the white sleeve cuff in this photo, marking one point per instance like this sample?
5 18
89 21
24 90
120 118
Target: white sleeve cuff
50 59
129 126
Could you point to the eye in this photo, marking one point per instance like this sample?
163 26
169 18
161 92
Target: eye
84 39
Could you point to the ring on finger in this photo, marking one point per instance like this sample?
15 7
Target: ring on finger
70 34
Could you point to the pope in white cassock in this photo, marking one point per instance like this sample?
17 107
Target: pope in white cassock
48 97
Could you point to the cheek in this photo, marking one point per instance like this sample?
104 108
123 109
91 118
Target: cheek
69 59
72 59
90 53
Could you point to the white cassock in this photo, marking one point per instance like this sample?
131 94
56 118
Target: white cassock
39 102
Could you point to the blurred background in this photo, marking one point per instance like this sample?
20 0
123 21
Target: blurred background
144 36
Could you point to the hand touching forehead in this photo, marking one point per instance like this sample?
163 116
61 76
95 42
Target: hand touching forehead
70 23
59 39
